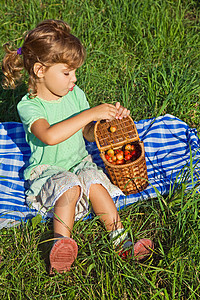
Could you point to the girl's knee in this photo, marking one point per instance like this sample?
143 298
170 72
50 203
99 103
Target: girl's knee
94 186
70 197
73 194
76 190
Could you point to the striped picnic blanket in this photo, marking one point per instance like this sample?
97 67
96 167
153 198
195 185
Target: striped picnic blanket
171 149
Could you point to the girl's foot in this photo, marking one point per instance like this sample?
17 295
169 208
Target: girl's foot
142 249
62 255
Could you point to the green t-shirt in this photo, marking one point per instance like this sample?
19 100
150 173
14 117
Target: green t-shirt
65 154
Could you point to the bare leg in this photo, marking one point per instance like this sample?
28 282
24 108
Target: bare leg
104 207
65 250
65 212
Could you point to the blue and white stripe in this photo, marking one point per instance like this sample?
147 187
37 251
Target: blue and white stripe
169 145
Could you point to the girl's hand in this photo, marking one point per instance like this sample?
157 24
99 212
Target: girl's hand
104 112
122 112
109 112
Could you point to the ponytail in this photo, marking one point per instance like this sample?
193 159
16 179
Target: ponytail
12 67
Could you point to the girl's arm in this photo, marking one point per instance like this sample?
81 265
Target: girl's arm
55 134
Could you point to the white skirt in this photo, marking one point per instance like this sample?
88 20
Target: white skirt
47 183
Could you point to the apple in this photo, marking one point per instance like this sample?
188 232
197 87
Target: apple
110 160
111 152
126 152
128 147
127 157
113 129
133 147
120 155
120 162
117 151
114 158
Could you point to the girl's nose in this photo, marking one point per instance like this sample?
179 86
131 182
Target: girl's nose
73 78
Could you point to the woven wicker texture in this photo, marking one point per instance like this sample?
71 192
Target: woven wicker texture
125 133
130 177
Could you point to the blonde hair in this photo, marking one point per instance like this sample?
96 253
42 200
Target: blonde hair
49 43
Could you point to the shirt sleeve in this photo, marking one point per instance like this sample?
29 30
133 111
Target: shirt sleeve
29 111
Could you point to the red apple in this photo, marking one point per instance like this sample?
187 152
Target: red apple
120 155
107 156
126 152
110 160
120 162
128 157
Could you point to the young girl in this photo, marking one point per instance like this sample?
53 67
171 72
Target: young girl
56 116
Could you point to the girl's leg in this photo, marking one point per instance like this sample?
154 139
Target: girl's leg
104 207
64 212
65 249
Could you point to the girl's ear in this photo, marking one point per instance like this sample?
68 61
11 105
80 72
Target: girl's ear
39 70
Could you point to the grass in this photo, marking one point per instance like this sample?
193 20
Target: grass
144 54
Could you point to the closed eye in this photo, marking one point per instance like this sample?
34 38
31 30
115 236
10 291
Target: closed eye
66 73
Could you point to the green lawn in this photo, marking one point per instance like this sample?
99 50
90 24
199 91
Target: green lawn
146 55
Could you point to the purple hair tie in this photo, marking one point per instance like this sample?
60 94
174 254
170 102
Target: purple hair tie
19 51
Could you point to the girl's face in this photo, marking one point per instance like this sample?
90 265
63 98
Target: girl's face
55 82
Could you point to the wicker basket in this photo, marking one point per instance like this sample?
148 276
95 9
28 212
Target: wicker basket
131 177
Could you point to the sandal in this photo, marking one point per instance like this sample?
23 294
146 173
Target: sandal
62 255
142 249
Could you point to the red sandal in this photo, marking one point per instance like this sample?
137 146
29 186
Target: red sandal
142 249
62 255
